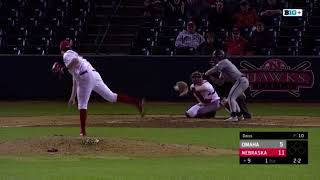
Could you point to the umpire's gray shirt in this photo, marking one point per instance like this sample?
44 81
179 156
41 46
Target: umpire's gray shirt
228 71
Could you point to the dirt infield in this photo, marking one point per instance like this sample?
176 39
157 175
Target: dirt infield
61 145
159 121
119 146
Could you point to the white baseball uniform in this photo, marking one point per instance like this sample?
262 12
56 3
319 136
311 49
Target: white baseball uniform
87 79
208 98
230 73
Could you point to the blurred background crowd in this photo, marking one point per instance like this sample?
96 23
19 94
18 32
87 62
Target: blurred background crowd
240 27
160 27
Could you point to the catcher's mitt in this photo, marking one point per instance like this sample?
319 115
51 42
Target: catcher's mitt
182 88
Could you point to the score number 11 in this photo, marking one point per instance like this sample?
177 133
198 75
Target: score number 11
281 152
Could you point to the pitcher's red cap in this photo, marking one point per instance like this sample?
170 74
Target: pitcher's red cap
65 45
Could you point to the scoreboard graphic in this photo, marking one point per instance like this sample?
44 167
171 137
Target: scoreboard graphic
273 148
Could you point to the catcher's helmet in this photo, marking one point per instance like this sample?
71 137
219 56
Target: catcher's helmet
217 56
196 74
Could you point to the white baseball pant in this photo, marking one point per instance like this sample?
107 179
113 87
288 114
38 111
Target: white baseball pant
203 109
237 89
91 80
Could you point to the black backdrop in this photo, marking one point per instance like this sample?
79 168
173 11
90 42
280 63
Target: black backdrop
29 77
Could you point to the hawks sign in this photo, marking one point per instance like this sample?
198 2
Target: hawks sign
274 75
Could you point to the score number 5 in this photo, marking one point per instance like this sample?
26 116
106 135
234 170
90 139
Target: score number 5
281 144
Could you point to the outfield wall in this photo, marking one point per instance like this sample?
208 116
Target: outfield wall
277 78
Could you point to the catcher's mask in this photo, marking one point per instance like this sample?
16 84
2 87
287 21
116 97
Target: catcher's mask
217 56
196 77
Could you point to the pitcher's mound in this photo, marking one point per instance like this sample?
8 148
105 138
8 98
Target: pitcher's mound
89 146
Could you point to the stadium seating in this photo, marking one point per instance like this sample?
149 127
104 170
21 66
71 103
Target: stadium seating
119 27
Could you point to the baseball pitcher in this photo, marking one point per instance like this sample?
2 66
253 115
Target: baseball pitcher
86 79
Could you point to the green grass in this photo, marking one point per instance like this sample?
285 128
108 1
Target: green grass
216 137
118 167
167 168
41 108
178 168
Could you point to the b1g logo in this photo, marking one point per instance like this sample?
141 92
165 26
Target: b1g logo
274 75
292 12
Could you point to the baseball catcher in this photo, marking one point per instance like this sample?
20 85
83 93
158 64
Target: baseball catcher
205 94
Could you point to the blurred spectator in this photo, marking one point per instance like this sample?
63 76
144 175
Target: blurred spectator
269 10
188 40
261 39
153 8
247 17
219 18
210 44
235 44
197 9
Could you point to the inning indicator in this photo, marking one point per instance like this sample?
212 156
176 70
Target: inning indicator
273 148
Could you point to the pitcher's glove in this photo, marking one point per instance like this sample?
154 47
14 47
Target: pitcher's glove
182 88
58 68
